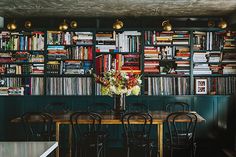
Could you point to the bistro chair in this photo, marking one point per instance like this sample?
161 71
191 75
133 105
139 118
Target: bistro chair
137 137
138 107
181 135
88 140
177 106
40 130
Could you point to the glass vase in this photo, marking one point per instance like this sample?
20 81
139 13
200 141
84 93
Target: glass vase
119 104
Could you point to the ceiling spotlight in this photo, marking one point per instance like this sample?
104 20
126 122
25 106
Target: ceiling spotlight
28 24
211 23
166 25
222 24
118 24
11 26
73 24
63 26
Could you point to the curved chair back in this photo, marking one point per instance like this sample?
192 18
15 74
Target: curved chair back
132 130
138 107
37 126
84 135
181 134
177 107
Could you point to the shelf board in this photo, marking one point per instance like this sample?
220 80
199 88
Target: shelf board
21 62
22 51
68 75
213 75
205 50
165 75
22 75
71 45
70 60
160 45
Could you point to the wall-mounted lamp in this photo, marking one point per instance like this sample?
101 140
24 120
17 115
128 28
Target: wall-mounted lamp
118 24
63 26
222 24
166 25
73 24
28 24
211 23
11 26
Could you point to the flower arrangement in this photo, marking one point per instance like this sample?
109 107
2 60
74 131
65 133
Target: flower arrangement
115 82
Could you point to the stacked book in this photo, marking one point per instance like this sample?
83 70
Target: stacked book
57 53
151 57
182 67
37 69
214 56
201 69
199 57
165 38
182 53
181 38
5 57
229 69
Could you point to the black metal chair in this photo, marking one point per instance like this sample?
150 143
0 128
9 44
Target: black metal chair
137 137
88 140
177 106
138 107
181 135
40 130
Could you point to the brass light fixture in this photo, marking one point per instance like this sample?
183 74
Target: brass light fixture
166 25
11 26
73 24
28 24
63 26
222 24
211 23
118 24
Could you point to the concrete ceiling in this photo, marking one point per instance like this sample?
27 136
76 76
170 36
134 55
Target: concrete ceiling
115 8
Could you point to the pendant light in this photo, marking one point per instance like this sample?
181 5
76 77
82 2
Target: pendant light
118 24
28 24
73 24
222 24
166 25
63 26
11 26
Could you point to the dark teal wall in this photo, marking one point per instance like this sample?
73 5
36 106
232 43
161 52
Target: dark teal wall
217 110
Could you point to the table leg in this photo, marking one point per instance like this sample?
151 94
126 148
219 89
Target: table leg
70 140
58 138
160 139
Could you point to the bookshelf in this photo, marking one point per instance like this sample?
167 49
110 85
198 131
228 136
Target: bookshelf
53 62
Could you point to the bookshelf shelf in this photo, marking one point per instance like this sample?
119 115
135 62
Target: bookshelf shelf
169 62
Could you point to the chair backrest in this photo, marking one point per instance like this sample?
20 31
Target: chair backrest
56 107
100 107
37 126
177 107
134 131
93 126
181 132
137 107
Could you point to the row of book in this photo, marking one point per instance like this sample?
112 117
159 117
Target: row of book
69 67
21 56
221 85
166 37
126 63
230 40
167 85
12 86
21 40
69 38
127 41
207 40
14 69
69 86
59 52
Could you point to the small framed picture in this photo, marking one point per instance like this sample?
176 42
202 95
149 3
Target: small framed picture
201 86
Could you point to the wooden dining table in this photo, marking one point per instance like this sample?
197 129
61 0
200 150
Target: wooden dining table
159 117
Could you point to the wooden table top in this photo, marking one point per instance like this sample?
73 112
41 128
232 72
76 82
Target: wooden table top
109 118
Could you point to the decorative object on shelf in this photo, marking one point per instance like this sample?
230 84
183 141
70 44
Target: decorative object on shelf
11 26
211 23
73 24
63 26
118 24
118 85
28 24
201 86
166 25
222 24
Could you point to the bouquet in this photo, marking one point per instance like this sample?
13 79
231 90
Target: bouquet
118 83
